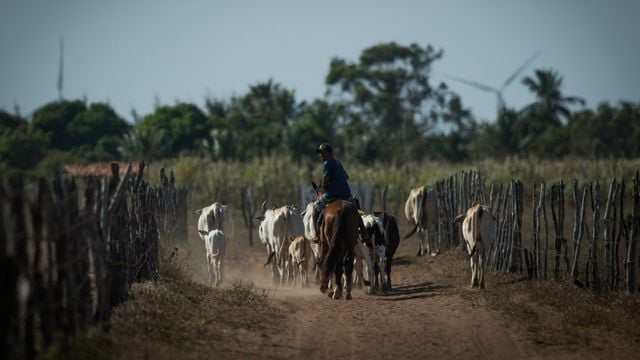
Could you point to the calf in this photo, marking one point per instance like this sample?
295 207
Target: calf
215 243
479 232
300 252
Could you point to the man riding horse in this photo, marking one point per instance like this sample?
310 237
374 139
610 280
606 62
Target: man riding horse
334 186
338 224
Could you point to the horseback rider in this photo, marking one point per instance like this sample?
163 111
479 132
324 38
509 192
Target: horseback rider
334 186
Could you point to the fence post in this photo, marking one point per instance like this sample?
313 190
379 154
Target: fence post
630 262
579 225
593 247
607 236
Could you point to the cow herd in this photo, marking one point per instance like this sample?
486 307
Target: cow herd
293 245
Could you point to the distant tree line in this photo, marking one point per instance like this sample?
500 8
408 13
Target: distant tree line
382 108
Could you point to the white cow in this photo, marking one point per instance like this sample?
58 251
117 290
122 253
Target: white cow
277 226
300 252
479 232
421 210
310 233
215 243
215 216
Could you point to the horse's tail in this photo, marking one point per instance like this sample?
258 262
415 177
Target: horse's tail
330 260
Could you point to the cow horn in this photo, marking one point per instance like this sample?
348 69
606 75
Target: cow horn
264 205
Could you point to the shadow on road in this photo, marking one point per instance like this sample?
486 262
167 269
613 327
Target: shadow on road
403 260
417 291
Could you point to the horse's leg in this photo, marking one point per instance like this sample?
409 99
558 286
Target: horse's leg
339 271
349 271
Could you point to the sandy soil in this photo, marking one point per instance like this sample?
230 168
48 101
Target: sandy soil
426 315
420 318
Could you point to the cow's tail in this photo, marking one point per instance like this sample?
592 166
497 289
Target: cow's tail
473 250
413 231
273 253
418 211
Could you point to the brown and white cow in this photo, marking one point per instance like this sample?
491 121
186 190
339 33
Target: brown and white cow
278 225
373 254
421 211
479 232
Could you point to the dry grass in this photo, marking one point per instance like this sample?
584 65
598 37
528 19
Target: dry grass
177 318
555 313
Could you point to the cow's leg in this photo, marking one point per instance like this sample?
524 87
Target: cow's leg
359 267
366 254
472 260
388 271
221 270
432 247
382 265
421 235
481 268
275 272
209 270
216 272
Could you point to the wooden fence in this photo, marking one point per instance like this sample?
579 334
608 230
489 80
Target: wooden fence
70 250
532 232
592 260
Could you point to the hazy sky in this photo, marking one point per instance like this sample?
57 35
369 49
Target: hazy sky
128 53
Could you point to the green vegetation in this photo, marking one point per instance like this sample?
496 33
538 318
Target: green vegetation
382 109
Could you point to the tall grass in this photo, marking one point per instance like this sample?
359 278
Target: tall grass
276 178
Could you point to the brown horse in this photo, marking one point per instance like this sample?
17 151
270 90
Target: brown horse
338 236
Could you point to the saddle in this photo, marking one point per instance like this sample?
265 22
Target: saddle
364 236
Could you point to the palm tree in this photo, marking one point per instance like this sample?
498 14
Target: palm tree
145 144
550 102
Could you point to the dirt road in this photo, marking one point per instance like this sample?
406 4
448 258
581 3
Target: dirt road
422 317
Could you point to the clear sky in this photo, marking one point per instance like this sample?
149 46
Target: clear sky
131 52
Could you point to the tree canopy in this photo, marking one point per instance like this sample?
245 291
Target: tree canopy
382 108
